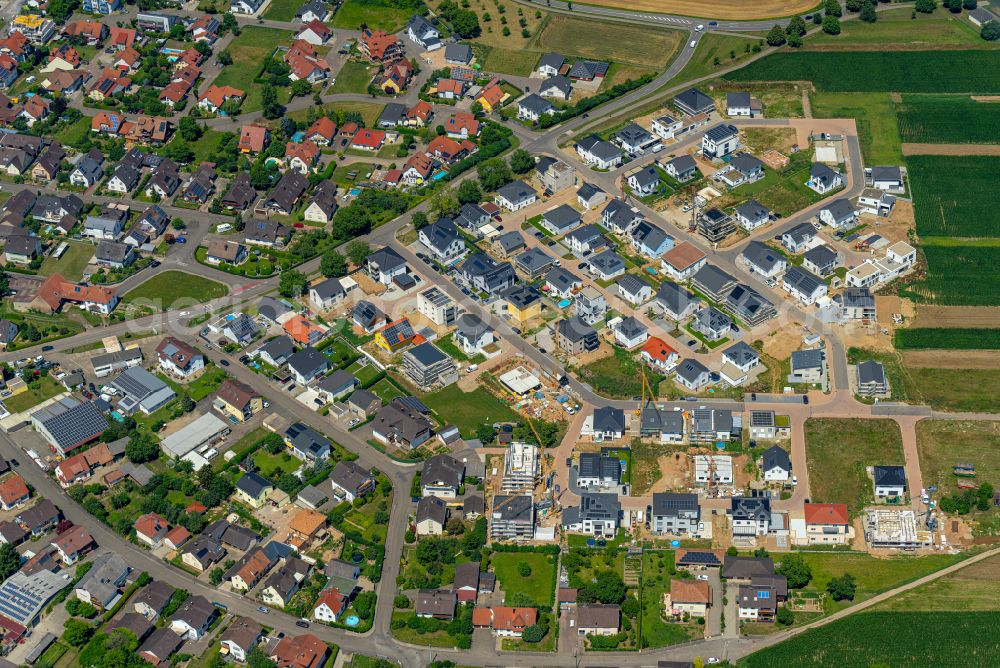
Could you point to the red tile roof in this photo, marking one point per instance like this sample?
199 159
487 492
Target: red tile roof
826 513
658 349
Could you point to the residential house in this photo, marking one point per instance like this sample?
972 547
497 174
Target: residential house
515 196
575 336
689 597
486 274
589 196
821 260
803 285
431 515
751 516
421 31
607 265
178 357
720 140
692 374
658 355
827 524
752 214
237 400
401 425
307 364
798 238
350 481
241 636
428 366
630 333
443 241
253 489
531 107
890 482
597 515
683 261
73 544
597 619
675 513
512 517
682 168
650 240
676 302
666 127
871 379
385 264
598 152
839 214
823 179
634 290
193 619
808 366
776 464
472 334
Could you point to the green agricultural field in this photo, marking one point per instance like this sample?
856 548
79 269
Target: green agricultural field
170 287
944 443
958 276
353 77
974 588
249 50
614 42
539 585
507 61
953 195
898 30
925 338
468 410
728 49
877 71
947 119
70 266
838 452
376 15
896 639
875 116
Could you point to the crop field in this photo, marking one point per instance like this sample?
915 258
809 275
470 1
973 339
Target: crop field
959 276
717 9
947 338
974 588
896 639
944 443
728 49
507 61
953 196
877 71
875 116
838 452
948 119
618 42
898 30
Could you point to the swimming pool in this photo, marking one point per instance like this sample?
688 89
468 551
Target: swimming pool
354 192
439 176
564 303
352 620
298 136
230 317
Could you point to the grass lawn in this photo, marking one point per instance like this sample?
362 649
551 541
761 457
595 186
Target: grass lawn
546 644
617 42
974 588
272 466
386 391
206 383
873 575
619 376
447 344
353 13
204 148
353 77
365 374
839 450
44 388
656 567
341 173
896 30
70 266
408 635
944 443
74 133
875 115
468 410
538 585
281 10
340 352
168 288
370 111
780 100
714 46
249 50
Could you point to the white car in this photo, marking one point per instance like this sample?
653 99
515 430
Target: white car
703 577
699 27
694 43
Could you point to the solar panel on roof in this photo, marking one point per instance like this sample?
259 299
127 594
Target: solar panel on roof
706 558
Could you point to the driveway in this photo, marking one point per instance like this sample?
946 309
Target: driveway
713 625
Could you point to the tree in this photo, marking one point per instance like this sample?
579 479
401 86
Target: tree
178 223
469 192
10 561
419 220
333 264
832 8
732 551
216 575
797 26
775 36
364 604
608 587
969 4
76 633
523 569
270 106
785 616
225 58
4 284
854 5
842 588
444 203
486 434
533 634
795 41
291 284
954 6
258 658
925 6
493 174
868 13
465 23
358 250
831 25
521 161
142 447
189 129
796 570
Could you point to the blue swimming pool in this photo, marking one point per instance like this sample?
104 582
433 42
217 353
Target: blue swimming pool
439 176
298 136
564 303
352 620
355 192
230 317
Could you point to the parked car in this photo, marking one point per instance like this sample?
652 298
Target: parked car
224 362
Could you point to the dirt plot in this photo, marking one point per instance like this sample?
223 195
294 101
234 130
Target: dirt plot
928 315
952 359
950 149
779 139
781 343
736 10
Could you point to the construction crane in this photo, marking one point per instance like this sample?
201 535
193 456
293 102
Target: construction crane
645 387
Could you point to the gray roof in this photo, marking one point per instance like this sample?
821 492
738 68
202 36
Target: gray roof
762 256
442 469
599 148
534 259
350 476
242 327
803 280
690 369
892 173
840 209
562 216
329 288
647 176
649 235
307 440
633 134
721 132
683 163
750 508
821 256
607 262
588 69
516 191
858 298
513 508
598 616
308 361
432 508
102 580
253 484
362 398
71 422
889 476
585 234
599 506
800 233
312 495
632 284
112 251
807 359
426 354
753 210
279 348
777 457
563 279
694 100
522 296
575 329
337 381
871 371
458 52
609 419
713 279
510 241
554 60
672 504
471 326
630 327
823 174
141 386
746 164
745 568
440 234
674 297
594 465
386 259
365 313
587 191
564 85
738 99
